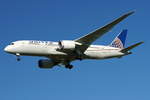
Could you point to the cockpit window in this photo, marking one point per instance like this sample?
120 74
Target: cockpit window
12 44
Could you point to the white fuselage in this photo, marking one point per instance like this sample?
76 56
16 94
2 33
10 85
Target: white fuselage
50 49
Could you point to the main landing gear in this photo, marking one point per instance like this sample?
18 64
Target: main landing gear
18 56
69 66
79 55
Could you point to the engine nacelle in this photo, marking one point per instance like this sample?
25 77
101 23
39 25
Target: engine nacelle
46 63
67 45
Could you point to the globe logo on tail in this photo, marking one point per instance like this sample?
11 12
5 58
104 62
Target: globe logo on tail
117 43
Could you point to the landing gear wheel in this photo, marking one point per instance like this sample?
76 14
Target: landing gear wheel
18 59
18 56
69 66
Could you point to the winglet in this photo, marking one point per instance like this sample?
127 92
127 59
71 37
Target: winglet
130 13
131 47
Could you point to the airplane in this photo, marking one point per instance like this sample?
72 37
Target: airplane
65 51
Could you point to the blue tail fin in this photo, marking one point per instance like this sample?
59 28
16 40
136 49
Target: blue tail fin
119 41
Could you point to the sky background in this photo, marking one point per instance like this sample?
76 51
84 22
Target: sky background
113 79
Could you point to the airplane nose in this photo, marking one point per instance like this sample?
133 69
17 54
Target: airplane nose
9 49
6 49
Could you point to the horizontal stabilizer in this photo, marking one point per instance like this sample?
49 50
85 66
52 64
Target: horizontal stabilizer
131 47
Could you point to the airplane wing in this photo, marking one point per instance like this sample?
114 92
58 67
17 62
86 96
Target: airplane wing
91 37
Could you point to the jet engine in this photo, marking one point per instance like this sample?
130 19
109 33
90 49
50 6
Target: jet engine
46 63
67 45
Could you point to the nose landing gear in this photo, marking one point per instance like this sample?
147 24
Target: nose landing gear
18 56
